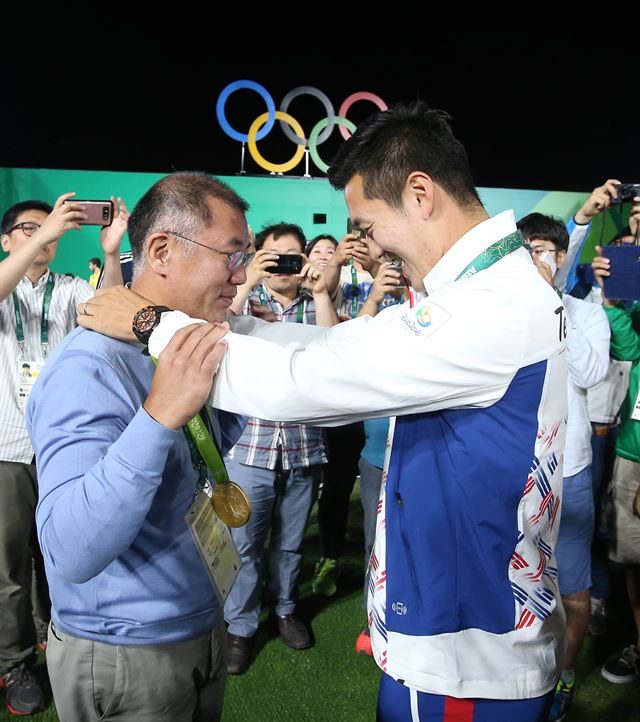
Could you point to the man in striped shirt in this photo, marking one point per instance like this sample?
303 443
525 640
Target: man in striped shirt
279 465
37 309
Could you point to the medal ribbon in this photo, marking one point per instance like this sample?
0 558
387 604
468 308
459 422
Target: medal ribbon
204 451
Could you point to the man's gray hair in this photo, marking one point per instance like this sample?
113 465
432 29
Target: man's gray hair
178 203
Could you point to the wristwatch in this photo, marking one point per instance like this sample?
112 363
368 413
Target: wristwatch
146 320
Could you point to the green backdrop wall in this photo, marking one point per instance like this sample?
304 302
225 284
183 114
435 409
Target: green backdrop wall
272 199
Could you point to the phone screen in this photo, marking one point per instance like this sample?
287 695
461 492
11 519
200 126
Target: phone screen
288 264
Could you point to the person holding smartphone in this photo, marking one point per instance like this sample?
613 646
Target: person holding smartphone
37 310
280 465
624 320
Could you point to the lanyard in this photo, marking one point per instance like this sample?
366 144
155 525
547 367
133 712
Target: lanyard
355 291
44 325
492 254
264 301
204 451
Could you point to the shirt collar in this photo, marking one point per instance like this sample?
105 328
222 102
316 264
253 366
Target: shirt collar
25 280
466 248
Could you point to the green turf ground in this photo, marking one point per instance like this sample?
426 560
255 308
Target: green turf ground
331 683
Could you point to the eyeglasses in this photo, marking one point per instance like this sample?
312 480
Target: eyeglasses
235 260
540 251
27 227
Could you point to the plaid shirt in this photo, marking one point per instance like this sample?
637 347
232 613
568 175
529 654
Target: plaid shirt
262 442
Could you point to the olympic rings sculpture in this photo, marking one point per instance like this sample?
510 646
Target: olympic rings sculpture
264 123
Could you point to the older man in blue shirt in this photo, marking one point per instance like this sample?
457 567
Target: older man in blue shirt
137 628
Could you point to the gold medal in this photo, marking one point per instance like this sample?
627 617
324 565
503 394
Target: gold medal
231 504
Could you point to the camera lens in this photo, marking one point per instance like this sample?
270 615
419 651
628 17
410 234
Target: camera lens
105 214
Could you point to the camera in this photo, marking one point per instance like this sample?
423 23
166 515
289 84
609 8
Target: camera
288 264
626 193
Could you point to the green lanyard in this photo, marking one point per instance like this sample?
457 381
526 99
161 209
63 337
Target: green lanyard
264 301
44 325
355 291
492 254
203 449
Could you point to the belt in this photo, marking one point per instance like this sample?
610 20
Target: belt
602 429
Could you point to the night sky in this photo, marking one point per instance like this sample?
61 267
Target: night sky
564 123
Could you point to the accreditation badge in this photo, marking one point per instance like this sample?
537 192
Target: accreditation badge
214 543
28 372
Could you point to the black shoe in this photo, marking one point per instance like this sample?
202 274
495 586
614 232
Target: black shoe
22 693
239 653
293 632
624 669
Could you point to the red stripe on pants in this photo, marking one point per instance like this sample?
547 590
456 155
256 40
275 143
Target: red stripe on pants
458 710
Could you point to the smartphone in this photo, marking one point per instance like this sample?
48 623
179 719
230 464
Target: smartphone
359 233
288 264
396 265
624 282
99 213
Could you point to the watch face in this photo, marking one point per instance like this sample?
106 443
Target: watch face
145 320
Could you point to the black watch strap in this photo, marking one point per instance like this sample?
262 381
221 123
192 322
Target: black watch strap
146 320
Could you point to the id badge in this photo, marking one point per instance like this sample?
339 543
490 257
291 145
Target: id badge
635 413
28 372
214 543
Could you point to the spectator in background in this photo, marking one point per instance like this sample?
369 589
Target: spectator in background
279 465
348 268
37 309
604 403
624 320
577 278
320 250
578 228
588 362
95 266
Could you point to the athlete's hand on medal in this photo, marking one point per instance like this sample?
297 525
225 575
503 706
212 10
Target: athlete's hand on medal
110 311
64 217
184 374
